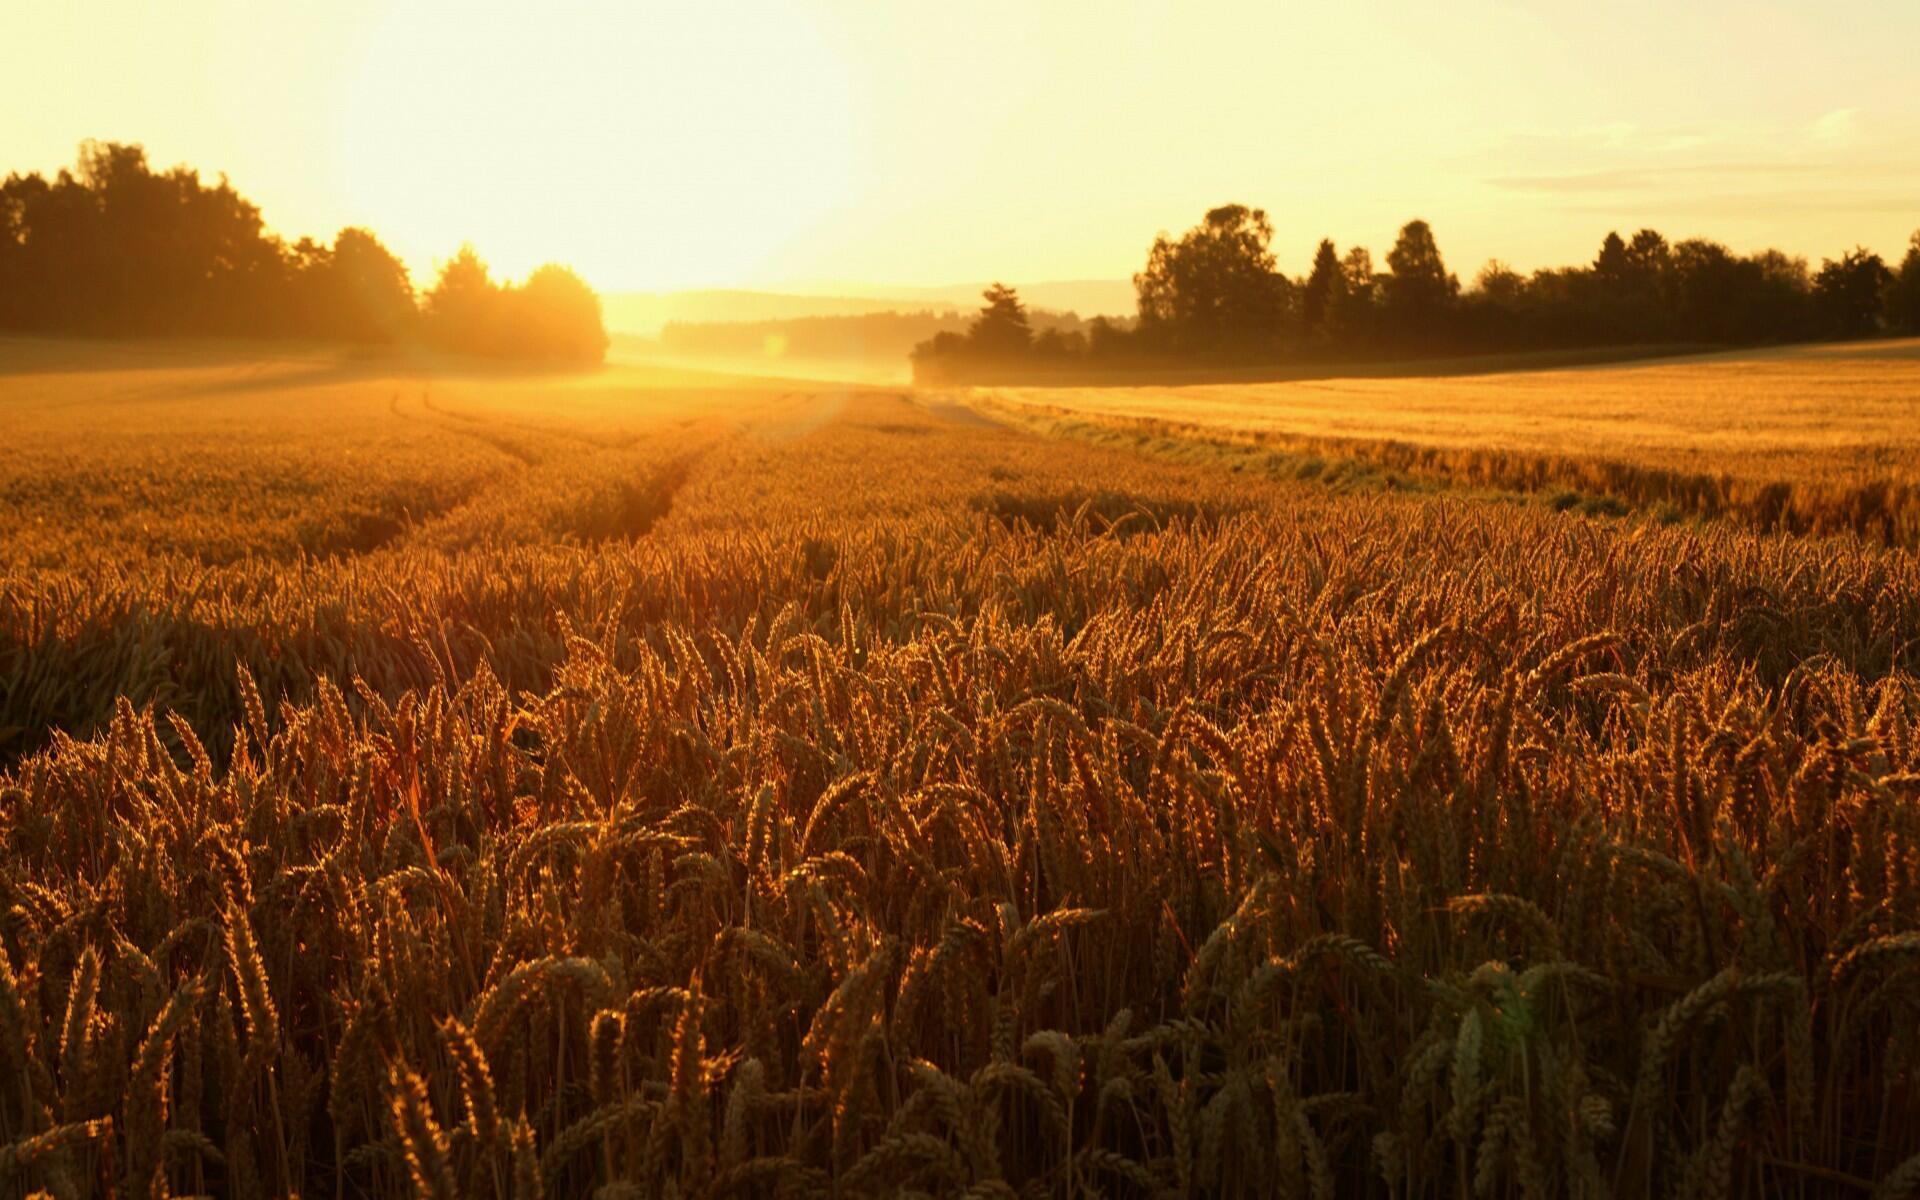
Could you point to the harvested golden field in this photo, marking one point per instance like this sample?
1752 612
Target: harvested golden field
771 789
1814 438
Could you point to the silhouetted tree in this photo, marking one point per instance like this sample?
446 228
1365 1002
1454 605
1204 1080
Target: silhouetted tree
1352 311
1901 297
1604 303
1318 295
1648 256
1612 265
463 305
1001 330
1108 340
1780 304
118 249
1721 297
1418 290
1636 291
1213 297
1002 339
1501 284
1848 292
1495 307
1059 345
1706 282
113 248
355 290
371 288
553 316
1214 292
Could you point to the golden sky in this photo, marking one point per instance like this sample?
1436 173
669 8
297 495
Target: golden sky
792 143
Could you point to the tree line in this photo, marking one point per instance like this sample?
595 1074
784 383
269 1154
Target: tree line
115 248
878 337
1213 297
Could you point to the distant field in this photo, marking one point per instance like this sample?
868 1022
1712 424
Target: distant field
1707 433
217 453
1818 412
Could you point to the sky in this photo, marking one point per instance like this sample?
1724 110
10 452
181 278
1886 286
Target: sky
816 144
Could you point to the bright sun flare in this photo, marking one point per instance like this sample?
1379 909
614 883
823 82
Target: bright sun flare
654 149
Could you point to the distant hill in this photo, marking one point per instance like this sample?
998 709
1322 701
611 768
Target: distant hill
646 313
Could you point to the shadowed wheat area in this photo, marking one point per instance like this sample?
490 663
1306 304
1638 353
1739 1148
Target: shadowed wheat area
615 784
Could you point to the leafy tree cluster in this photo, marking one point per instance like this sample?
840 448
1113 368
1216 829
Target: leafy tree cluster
1215 297
1003 336
115 248
1214 293
553 315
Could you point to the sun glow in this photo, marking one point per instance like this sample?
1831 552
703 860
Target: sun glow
656 150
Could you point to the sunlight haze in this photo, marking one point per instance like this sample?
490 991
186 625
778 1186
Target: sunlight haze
781 144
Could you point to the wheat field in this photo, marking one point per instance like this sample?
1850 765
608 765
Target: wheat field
1818 438
632 785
